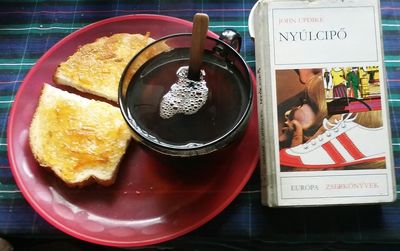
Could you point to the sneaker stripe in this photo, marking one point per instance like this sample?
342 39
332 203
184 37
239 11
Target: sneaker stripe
342 150
333 152
350 146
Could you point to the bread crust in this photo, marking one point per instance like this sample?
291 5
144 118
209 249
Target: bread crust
81 140
96 68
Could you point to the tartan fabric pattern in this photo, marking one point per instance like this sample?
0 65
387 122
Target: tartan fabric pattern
28 28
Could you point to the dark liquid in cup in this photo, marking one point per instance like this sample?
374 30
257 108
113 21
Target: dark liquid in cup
227 101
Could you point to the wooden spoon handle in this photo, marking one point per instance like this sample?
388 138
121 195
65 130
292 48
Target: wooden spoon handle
199 33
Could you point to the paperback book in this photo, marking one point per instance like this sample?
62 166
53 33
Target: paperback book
322 103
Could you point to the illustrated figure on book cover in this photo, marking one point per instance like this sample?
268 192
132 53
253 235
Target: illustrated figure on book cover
325 128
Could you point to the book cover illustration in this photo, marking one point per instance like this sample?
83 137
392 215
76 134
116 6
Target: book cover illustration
322 103
334 122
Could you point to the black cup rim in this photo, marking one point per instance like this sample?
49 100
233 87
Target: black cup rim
176 150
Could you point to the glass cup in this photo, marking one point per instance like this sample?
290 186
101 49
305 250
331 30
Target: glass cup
219 122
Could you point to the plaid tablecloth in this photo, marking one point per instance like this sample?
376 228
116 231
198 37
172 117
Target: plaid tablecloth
29 28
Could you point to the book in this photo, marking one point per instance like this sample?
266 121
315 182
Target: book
324 123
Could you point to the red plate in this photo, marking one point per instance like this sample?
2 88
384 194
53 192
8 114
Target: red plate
153 199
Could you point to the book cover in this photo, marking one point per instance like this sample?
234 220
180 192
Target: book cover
322 103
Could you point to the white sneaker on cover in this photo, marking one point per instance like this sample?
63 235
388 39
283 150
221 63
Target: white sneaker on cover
343 143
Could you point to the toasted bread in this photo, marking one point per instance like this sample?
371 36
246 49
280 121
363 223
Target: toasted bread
97 67
81 140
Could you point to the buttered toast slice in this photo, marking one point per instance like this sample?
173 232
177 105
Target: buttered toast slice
97 67
81 140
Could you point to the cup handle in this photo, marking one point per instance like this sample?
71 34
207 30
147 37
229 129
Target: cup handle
232 38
